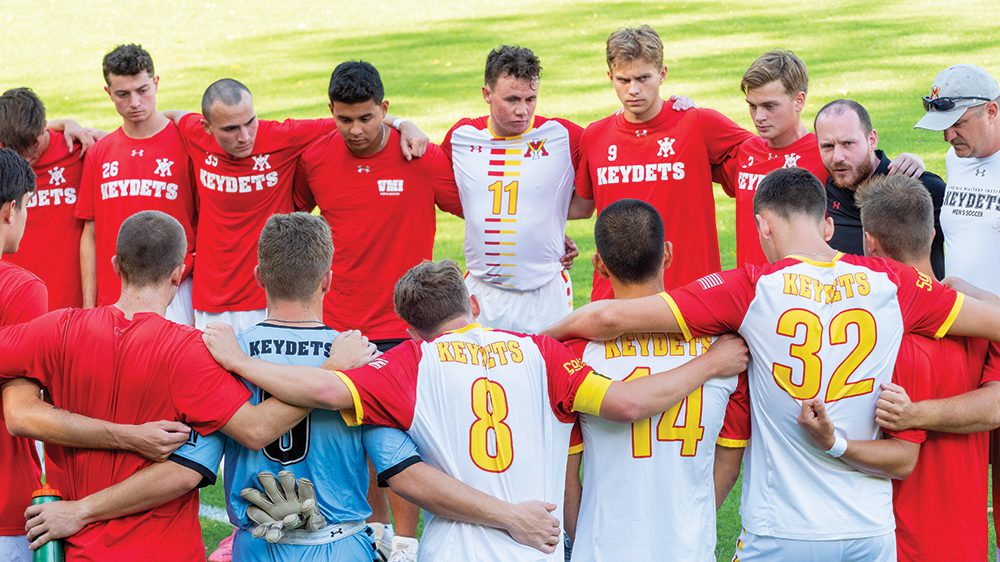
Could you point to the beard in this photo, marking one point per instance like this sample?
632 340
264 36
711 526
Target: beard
858 175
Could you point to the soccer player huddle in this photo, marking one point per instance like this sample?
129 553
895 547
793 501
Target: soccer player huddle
181 251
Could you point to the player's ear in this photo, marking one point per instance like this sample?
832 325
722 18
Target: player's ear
474 306
799 101
330 105
204 123
413 333
870 244
156 81
763 228
384 106
256 276
663 73
7 211
599 266
327 282
114 265
828 228
668 254
486 94
177 275
873 139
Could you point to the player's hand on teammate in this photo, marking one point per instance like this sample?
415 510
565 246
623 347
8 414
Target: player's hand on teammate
413 141
968 289
350 350
155 440
729 355
907 164
54 520
817 424
221 341
279 510
532 524
572 251
894 410
73 133
682 103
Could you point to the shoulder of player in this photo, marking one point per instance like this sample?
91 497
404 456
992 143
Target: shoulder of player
322 148
934 184
478 123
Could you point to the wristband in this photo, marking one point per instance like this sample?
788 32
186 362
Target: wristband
397 123
839 447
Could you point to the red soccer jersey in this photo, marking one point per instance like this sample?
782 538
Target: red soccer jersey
939 507
381 212
236 197
50 247
740 176
100 364
123 176
22 298
667 162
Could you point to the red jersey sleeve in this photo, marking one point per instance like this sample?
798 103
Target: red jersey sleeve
27 301
735 431
442 178
584 187
724 173
573 385
914 371
928 307
385 390
204 395
190 125
89 182
576 439
301 132
714 304
446 147
302 196
991 371
723 136
32 349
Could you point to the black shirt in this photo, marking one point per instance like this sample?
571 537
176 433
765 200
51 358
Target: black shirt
847 234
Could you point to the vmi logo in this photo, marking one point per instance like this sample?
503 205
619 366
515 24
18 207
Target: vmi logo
536 149
390 187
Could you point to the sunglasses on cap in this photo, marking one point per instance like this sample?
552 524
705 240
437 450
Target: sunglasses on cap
947 104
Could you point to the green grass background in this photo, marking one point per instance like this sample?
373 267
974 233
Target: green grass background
431 55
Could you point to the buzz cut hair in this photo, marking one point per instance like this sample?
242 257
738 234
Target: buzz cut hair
294 254
151 245
226 91
127 60
22 119
777 65
355 82
517 62
430 294
16 178
841 106
898 211
634 44
629 238
791 191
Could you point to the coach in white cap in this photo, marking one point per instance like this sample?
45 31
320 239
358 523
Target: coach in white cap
963 103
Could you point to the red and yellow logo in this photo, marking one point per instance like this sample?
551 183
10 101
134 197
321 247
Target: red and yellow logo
536 149
935 92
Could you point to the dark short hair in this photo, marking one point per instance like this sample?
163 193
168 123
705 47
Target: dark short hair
16 177
629 237
22 119
514 61
838 107
899 212
294 253
225 90
791 191
355 82
127 60
430 294
151 244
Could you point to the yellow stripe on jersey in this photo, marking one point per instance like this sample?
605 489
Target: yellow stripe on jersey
819 263
590 395
677 315
355 417
463 329
576 449
943 330
732 443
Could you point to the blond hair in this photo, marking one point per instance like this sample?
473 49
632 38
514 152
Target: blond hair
430 294
898 211
294 253
781 65
634 43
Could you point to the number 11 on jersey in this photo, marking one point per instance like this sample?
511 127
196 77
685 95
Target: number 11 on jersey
498 189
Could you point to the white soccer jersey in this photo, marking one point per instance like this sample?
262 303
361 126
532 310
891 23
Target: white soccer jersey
970 219
649 491
515 194
827 330
491 408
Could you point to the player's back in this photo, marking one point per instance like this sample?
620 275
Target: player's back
484 414
649 484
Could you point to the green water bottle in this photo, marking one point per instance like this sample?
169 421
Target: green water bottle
51 551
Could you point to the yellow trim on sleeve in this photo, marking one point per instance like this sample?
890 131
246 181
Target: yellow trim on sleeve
677 315
355 417
732 443
576 449
943 330
590 395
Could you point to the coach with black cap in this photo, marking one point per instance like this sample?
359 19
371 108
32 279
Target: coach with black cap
963 102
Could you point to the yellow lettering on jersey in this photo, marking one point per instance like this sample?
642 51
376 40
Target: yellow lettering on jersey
515 352
863 286
500 350
458 348
574 366
706 342
924 282
676 345
611 350
791 284
444 353
642 339
832 293
805 286
628 350
660 345
847 282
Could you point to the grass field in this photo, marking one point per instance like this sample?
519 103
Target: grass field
430 55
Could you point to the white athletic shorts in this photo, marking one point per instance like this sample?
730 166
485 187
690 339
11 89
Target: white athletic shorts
14 549
754 548
239 319
523 311
180 309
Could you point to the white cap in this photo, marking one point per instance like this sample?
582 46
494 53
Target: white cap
973 84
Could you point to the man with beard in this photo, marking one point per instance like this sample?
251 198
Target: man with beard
848 146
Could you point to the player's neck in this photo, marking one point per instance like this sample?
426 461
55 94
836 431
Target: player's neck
43 143
153 298
637 290
922 265
647 115
295 312
456 323
375 147
145 129
789 137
